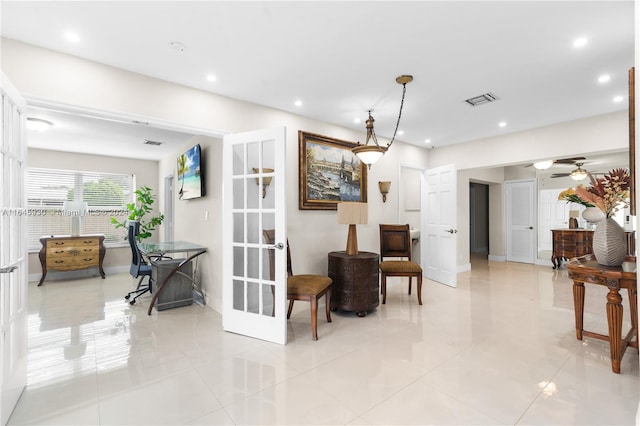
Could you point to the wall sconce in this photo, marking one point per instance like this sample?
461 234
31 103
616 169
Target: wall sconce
266 180
384 189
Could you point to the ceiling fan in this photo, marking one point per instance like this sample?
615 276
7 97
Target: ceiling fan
541 165
576 174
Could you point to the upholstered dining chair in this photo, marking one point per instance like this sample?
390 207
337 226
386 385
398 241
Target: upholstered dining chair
302 287
395 242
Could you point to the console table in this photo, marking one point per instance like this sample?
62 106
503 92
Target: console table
586 269
67 253
355 278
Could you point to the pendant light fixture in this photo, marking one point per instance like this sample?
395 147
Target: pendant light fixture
369 154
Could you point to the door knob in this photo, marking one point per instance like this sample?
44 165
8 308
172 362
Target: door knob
279 246
531 227
452 231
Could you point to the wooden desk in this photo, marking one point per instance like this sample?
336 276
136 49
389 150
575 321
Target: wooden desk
356 284
586 269
178 267
67 253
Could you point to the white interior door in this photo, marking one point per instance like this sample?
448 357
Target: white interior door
254 200
13 251
520 205
439 248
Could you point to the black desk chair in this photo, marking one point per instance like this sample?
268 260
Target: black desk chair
139 266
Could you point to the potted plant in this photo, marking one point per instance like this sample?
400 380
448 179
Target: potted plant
139 211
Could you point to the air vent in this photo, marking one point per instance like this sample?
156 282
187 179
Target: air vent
482 99
154 143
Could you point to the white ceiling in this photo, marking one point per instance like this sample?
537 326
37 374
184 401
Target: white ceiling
341 58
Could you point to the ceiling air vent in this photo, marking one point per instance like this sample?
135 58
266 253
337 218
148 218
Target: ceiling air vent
482 99
154 143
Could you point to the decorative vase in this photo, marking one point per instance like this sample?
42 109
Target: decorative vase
593 214
609 243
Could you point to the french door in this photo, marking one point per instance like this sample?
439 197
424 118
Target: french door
13 250
254 296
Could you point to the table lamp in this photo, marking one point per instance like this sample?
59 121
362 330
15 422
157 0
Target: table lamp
352 214
573 219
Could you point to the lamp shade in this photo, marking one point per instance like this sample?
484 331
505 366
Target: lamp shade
353 213
542 165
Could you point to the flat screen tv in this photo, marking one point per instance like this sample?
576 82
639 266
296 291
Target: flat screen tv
190 174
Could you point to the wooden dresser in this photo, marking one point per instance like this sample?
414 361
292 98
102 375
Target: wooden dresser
569 243
67 253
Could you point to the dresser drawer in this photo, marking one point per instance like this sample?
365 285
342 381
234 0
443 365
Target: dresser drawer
54 243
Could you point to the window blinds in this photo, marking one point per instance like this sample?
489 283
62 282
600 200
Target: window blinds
106 195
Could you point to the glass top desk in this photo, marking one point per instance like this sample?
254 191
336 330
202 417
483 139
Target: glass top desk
191 250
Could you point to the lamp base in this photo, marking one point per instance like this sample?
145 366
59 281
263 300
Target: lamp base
352 241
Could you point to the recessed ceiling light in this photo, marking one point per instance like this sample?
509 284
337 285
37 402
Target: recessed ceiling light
400 132
618 98
71 36
356 120
298 103
211 77
604 78
38 124
502 124
580 42
427 141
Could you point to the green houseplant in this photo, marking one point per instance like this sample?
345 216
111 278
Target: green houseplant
139 211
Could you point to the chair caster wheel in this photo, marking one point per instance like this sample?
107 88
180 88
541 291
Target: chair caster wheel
133 302
127 297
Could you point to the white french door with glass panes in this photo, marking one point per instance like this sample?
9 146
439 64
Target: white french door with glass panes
254 200
13 250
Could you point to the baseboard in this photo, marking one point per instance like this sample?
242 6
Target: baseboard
495 258
463 268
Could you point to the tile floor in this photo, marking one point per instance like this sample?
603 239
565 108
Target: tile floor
499 349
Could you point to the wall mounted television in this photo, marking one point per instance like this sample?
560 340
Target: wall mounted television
190 174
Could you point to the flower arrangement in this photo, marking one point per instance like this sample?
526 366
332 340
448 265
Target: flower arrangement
571 197
609 193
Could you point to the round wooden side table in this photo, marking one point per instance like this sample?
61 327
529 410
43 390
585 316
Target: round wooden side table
355 285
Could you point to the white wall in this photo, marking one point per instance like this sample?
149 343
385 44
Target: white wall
44 74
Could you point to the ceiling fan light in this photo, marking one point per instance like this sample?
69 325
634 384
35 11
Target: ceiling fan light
578 174
542 165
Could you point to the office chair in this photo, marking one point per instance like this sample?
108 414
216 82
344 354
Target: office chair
139 267
395 241
302 287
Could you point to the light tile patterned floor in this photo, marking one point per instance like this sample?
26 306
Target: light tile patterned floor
499 349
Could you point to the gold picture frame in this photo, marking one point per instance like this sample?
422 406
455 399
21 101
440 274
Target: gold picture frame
328 172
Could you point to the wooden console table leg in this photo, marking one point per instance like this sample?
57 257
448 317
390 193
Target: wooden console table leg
578 306
614 318
633 305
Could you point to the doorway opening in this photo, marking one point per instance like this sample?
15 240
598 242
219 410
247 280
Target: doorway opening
478 221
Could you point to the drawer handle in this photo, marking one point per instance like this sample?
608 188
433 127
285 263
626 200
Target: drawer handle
58 243
88 259
58 261
88 249
88 241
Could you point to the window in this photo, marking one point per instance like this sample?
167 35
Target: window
54 197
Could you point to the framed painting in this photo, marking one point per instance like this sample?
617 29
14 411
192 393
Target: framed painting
328 172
